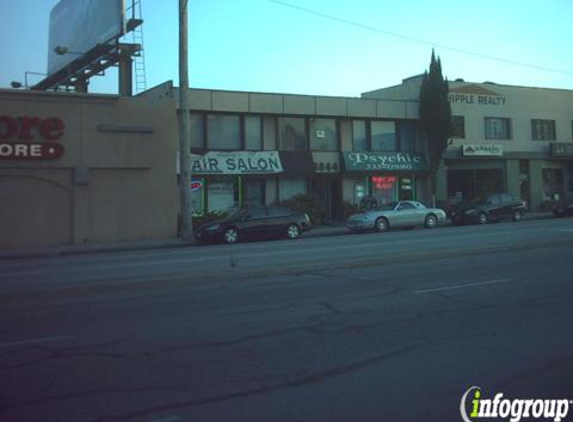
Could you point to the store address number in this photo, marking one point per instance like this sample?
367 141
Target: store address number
328 167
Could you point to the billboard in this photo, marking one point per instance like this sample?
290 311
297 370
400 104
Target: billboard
80 25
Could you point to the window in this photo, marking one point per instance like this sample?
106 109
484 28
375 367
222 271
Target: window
383 136
256 214
458 127
253 133
553 187
223 132
222 195
292 134
542 130
323 135
406 206
289 188
255 193
197 131
359 140
497 128
407 137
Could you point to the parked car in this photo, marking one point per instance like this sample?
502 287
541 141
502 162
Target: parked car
495 207
563 209
396 214
250 223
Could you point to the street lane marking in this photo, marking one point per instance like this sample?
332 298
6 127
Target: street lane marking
36 340
462 286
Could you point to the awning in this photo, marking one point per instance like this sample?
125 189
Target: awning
371 162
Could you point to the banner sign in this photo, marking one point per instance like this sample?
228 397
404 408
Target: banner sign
242 162
384 161
562 149
482 150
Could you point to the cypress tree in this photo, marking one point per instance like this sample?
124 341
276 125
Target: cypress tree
435 117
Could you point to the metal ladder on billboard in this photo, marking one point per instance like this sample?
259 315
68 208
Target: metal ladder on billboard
137 36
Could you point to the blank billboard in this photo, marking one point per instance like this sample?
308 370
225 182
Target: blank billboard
80 25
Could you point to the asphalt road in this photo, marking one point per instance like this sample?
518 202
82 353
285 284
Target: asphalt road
374 327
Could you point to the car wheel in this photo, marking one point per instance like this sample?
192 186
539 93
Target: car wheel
517 216
482 218
381 225
431 221
231 235
293 231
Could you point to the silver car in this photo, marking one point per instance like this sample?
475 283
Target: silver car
396 214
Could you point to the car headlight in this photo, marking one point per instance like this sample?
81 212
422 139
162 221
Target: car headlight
213 227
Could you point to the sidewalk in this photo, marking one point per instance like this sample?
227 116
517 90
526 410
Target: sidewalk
63 250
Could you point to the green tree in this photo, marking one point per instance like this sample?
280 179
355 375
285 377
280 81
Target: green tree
435 117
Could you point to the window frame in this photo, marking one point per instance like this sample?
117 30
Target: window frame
537 136
509 128
463 127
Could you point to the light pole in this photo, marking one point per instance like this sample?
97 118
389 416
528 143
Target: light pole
184 128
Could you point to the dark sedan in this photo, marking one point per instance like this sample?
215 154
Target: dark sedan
251 223
496 207
563 209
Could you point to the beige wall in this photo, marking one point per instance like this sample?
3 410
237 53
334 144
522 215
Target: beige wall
116 180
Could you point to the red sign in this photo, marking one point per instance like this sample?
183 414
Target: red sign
14 130
196 185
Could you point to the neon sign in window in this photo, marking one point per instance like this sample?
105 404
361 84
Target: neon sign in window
384 182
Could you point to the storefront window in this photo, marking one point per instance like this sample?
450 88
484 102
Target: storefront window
292 134
291 187
223 132
406 192
359 140
464 185
359 192
222 194
383 136
384 189
253 133
323 135
255 193
197 131
197 196
552 184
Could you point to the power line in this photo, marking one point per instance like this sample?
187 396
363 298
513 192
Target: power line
416 40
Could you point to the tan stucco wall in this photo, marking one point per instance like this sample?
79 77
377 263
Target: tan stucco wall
113 183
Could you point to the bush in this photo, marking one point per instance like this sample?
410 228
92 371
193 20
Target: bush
306 203
348 208
209 217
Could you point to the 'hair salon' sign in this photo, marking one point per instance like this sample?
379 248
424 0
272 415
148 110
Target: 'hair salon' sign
243 162
384 161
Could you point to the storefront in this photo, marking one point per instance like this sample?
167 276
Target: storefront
222 181
386 176
79 168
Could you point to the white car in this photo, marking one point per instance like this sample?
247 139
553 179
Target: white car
396 214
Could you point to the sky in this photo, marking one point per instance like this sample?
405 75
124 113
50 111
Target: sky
323 47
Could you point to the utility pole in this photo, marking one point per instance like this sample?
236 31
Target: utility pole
184 128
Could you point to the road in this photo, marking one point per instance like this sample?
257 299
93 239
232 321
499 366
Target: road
374 327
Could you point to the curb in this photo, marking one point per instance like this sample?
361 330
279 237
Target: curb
74 250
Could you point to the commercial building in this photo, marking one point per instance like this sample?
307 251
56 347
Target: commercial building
506 138
261 148
79 168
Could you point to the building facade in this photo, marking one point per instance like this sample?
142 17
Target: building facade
251 149
505 139
78 168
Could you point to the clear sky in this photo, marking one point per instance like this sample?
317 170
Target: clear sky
265 46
